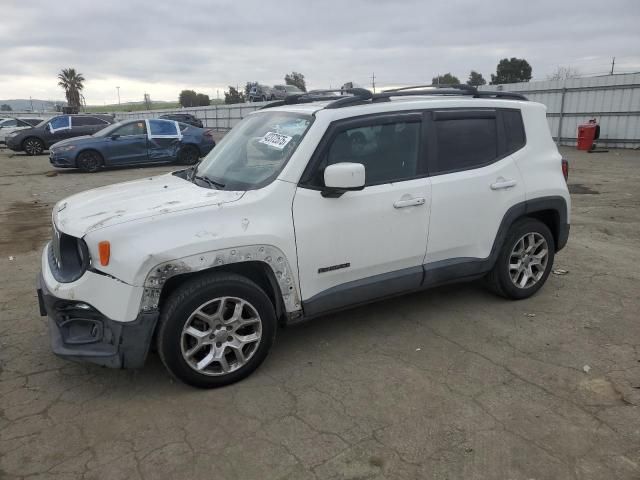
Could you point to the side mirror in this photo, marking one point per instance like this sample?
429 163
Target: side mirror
49 128
115 136
343 177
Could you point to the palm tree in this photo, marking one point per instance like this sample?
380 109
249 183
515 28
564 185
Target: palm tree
72 84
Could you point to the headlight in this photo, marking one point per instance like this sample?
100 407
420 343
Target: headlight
65 148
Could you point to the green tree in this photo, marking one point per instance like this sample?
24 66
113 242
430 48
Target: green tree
72 82
188 98
5 107
297 79
512 70
203 100
476 79
233 96
446 79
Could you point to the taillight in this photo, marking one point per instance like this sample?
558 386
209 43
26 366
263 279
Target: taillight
208 133
565 169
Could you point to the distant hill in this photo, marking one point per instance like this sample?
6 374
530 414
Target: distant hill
24 105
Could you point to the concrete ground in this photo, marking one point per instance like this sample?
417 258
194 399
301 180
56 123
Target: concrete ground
449 384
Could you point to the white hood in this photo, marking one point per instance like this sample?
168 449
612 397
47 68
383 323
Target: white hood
125 202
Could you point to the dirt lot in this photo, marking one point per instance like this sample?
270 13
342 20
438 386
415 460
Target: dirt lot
449 384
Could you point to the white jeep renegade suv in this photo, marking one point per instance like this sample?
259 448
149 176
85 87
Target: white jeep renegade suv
315 204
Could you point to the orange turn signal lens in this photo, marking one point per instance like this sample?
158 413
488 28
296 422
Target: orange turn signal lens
104 248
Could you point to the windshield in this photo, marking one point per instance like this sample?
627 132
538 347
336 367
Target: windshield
291 88
254 152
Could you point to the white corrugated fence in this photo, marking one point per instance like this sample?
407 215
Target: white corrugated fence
614 100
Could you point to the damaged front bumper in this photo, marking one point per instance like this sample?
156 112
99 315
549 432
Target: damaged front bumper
79 331
60 160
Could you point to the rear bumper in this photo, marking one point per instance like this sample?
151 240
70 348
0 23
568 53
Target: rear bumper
78 331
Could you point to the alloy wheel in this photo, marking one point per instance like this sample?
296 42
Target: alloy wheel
221 336
528 260
33 147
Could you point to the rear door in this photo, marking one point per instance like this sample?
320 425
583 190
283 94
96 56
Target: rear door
370 243
86 125
164 138
127 144
474 182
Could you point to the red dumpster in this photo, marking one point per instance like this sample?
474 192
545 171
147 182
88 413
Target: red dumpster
587 134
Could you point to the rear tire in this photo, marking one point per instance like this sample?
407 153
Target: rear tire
33 146
215 330
525 260
188 155
89 161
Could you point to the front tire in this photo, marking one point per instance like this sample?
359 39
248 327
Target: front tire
89 161
216 330
525 260
33 146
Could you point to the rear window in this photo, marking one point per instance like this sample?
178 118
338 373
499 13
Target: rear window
86 121
513 130
465 143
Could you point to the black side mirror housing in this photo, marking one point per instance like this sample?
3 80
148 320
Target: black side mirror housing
115 136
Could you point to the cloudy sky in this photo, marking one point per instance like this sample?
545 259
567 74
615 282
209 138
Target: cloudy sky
162 47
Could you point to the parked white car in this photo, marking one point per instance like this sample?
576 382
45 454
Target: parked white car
10 125
302 210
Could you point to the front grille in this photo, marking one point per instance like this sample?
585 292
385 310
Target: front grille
68 256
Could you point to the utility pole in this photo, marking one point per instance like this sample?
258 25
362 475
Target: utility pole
118 95
31 100
613 62
373 81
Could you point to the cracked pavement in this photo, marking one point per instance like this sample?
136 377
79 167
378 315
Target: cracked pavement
445 384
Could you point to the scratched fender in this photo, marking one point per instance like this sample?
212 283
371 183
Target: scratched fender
268 254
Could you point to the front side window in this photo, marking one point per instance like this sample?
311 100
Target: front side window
254 152
134 128
389 152
59 123
163 128
465 143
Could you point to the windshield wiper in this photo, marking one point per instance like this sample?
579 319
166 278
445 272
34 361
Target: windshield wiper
208 181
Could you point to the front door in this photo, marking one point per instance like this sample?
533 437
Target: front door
128 144
58 128
370 243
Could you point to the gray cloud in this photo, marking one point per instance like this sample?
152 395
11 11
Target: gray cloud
209 45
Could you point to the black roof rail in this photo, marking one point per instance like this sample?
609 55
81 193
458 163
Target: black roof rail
453 89
359 96
348 96
457 86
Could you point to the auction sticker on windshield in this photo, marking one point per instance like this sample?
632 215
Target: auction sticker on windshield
275 140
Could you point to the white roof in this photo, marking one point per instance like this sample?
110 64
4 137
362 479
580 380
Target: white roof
403 103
